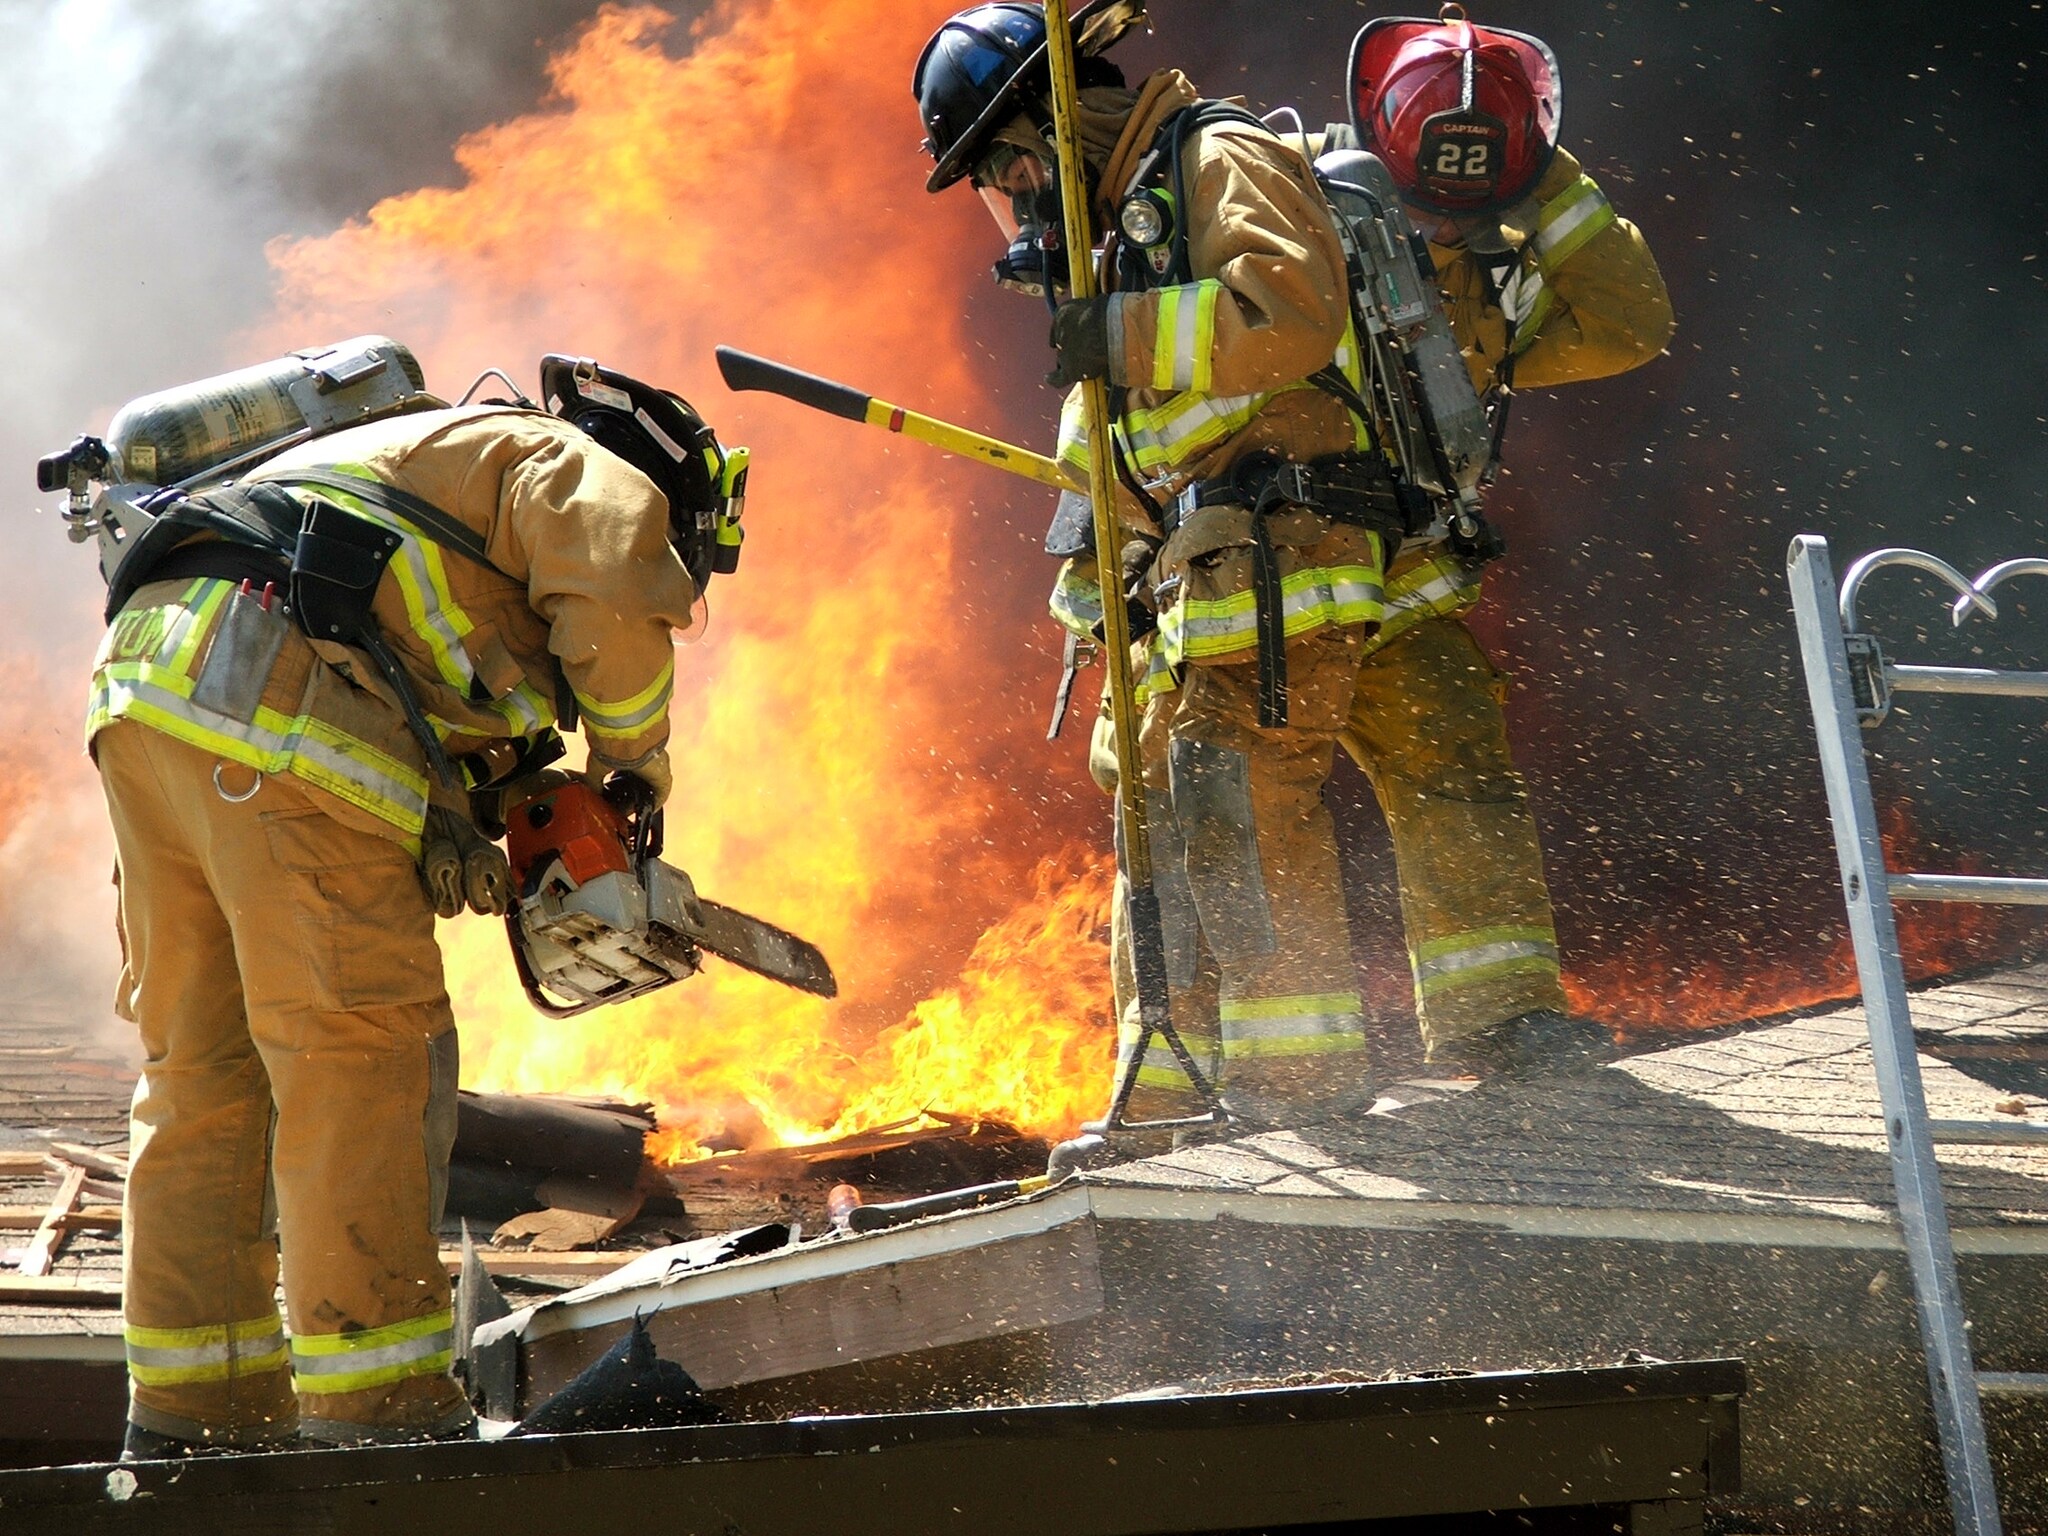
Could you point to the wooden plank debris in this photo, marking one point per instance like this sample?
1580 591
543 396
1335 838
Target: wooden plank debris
786 1165
60 1290
42 1249
90 1159
86 1218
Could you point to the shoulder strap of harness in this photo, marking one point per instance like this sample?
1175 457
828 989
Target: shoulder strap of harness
437 525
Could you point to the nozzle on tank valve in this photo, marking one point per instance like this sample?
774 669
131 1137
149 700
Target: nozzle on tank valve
74 470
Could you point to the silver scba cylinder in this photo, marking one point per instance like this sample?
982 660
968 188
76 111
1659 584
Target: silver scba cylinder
175 434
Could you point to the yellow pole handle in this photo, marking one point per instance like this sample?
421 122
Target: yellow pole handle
1109 543
744 371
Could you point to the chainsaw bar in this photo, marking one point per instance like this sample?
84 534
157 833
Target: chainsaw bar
755 946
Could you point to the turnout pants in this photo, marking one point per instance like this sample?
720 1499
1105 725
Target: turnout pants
1245 862
298 1091
1424 721
1427 728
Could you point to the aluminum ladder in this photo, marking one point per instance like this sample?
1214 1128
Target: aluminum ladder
1850 683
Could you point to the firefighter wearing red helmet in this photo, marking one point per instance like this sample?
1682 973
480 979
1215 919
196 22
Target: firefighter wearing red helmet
1544 284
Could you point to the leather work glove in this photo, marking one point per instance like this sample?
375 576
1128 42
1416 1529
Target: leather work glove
652 772
1141 611
1080 334
460 869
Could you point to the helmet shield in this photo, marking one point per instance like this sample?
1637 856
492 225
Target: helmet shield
983 66
1464 117
659 434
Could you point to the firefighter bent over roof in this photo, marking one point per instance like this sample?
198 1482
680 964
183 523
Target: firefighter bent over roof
300 683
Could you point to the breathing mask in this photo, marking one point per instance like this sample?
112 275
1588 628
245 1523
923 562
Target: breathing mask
1033 219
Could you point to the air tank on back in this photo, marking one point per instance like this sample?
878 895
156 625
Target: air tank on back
177 434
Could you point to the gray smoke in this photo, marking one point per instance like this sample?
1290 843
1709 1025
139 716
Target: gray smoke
149 150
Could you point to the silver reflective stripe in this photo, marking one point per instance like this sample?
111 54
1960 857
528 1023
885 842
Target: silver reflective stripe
1219 413
347 1362
1519 293
269 751
1484 954
221 1352
1290 1025
428 579
1438 590
1187 325
1588 204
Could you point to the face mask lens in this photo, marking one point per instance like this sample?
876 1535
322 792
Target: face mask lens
1002 208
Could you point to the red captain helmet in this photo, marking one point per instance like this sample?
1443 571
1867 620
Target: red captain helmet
1464 117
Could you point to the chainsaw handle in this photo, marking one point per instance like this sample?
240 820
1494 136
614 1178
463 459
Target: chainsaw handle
633 798
530 983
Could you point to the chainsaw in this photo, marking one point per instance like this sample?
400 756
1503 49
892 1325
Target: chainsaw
599 918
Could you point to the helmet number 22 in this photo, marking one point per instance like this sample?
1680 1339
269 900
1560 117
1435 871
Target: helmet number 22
1455 159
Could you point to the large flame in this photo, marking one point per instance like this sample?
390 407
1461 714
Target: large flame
856 738
836 772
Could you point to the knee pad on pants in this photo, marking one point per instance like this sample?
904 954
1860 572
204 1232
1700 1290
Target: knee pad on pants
1212 801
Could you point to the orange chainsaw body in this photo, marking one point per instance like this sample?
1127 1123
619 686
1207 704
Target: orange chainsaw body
573 823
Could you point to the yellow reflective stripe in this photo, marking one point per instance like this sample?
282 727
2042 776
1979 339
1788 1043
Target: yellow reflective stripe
1158 439
207 1333
431 611
182 642
162 1357
1476 937
1160 1068
1436 588
1240 1047
1184 339
1240 1008
624 717
1483 954
301 745
1159 677
1568 221
1165 339
1296 1025
1530 326
1076 602
1309 599
1472 976
1202 349
1166 436
525 709
369 1357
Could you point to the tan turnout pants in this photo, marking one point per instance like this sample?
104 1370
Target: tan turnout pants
1259 964
298 1090
1424 721
1427 728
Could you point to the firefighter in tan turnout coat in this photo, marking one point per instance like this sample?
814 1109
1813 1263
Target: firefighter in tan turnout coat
271 811
1216 359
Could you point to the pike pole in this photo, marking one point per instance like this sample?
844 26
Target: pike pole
1148 940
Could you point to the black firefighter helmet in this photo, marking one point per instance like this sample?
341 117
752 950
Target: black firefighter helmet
988 64
659 434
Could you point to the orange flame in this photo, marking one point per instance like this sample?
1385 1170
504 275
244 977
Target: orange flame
1659 986
835 771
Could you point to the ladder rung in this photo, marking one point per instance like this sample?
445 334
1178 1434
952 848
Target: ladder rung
1989 1133
1978 680
1980 888
2012 1383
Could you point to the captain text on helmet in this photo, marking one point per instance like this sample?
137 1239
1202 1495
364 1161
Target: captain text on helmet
1421 706
325 649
